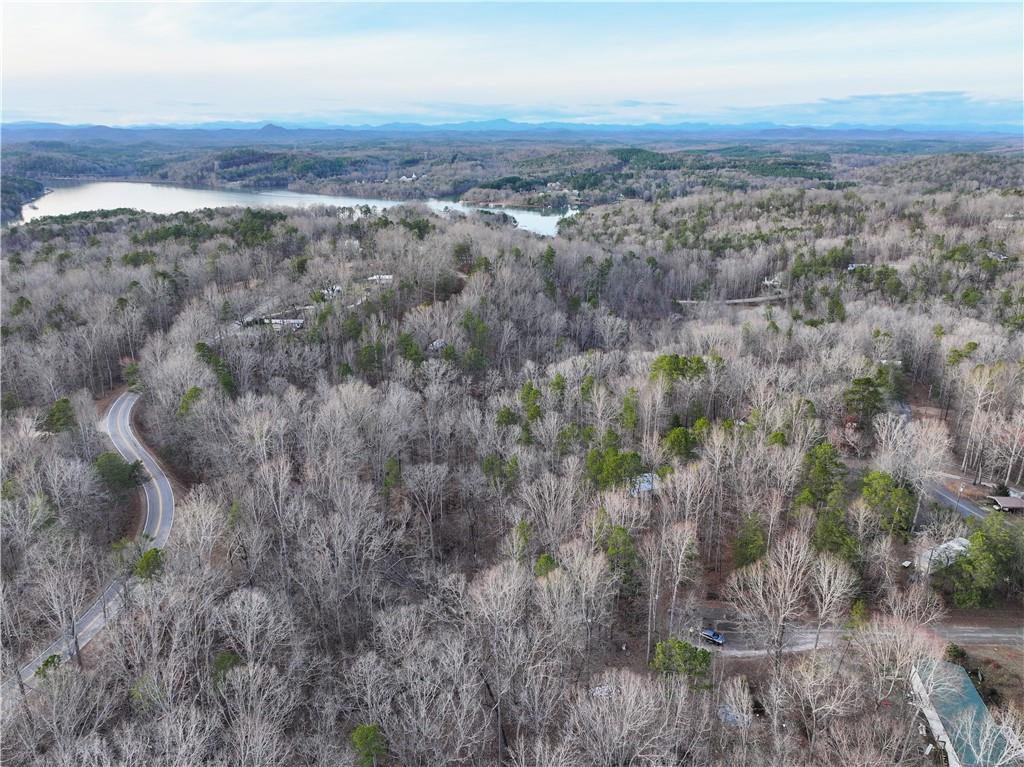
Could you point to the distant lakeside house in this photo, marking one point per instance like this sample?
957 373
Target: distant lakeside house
644 484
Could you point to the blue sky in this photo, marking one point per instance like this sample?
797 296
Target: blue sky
797 63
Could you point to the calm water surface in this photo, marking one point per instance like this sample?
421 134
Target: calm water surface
160 198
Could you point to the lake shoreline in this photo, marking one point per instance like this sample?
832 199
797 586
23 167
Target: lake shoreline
74 180
72 195
14 215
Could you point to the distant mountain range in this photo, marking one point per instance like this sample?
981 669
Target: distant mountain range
272 133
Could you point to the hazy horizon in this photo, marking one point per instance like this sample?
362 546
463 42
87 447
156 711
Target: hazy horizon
874 64
427 123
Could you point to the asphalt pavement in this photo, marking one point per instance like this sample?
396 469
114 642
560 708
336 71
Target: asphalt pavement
159 517
801 639
956 502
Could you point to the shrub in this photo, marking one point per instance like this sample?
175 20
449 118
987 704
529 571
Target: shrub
149 564
955 653
544 565
369 744
674 656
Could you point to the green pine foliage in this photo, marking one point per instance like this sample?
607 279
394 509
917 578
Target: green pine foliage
623 558
118 474
751 542
864 400
369 744
676 657
149 565
188 400
821 470
219 368
992 566
611 467
529 396
893 502
60 417
676 367
545 564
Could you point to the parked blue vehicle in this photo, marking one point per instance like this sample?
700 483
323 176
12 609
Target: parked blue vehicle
710 635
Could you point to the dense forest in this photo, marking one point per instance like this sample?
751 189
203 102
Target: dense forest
534 170
474 503
15 192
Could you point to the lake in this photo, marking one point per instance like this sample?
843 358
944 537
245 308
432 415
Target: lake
163 198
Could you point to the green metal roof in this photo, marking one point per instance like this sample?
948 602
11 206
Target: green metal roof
963 713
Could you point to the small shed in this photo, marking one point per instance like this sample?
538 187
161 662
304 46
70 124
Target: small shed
1007 502
959 720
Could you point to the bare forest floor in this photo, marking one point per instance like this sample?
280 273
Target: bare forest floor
125 519
181 479
997 670
998 673
920 398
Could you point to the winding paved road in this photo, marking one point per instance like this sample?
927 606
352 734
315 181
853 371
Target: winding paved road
964 506
157 528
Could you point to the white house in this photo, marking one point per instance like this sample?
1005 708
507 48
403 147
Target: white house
930 560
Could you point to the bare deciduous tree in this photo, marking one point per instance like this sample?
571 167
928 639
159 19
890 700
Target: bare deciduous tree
833 585
770 593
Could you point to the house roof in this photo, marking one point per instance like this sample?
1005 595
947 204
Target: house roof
968 725
1007 502
939 556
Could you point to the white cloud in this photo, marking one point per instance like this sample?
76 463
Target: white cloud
132 63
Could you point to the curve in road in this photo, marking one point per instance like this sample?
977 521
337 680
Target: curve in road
159 518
